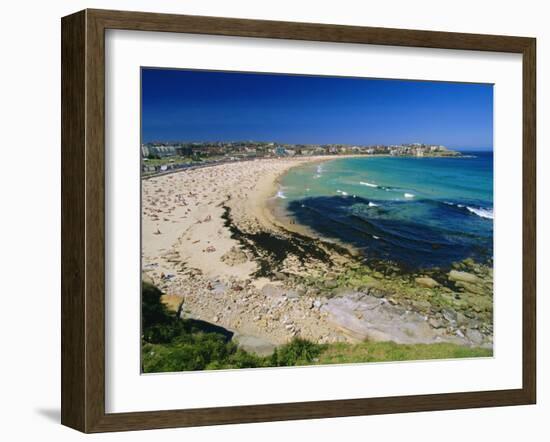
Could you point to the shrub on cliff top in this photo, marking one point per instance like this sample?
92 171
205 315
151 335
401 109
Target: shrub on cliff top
297 352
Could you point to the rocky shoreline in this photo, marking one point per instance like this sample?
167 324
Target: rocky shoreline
380 303
220 257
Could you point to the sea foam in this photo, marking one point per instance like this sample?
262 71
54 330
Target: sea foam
364 183
481 212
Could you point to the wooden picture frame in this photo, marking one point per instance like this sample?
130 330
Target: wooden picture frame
83 220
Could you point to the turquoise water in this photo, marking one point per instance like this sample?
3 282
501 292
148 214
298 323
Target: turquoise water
415 212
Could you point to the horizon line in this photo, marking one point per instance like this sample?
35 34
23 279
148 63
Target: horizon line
317 144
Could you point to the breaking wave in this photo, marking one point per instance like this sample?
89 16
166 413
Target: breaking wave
364 183
481 212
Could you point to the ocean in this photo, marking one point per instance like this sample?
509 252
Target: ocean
413 212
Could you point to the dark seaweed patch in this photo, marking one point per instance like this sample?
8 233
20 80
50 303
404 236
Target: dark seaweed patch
270 249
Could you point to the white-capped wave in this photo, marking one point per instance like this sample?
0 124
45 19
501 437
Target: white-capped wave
371 204
481 212
461 206
364 183
342 192
408 195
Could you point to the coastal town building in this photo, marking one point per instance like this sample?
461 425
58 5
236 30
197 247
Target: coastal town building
161 156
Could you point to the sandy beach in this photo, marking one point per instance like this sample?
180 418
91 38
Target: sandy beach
211 242
188 250
182 213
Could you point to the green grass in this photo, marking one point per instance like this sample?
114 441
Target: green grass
171 344
343 353
206 351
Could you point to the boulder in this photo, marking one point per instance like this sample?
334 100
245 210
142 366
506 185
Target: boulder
301 290
368 285
376 293
461 319
145 278
172 302
426 282
291 294
449 315
280 276
313 291
472 288
421 304
458 276
435 323
474 336
254 344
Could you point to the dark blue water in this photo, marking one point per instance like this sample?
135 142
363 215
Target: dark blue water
415 212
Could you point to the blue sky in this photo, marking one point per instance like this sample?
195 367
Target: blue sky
188 105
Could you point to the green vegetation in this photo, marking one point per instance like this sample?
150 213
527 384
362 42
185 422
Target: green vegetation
208 351
173 344
341 353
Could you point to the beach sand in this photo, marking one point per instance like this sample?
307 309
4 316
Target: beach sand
187 250
182 212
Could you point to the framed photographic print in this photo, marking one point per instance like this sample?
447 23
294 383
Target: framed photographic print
270 220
